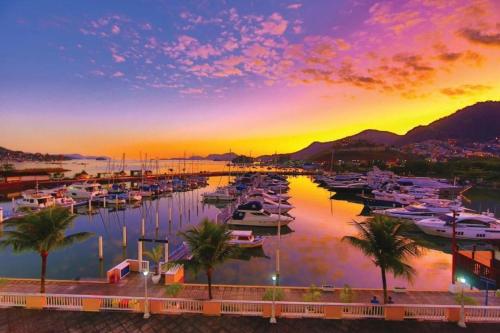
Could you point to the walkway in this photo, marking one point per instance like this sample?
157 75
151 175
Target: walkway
27 321
134 286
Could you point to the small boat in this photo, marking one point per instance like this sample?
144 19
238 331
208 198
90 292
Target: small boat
85 190
468 226
35 200
220 194
245 238
253 214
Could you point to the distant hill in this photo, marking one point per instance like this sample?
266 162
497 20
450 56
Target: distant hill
82 157
476 123
222 157
7 154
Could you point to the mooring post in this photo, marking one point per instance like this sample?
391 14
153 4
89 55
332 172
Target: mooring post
101 256
124 236
104 202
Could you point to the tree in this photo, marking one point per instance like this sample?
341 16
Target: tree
381 238
209 245
43 232
156 254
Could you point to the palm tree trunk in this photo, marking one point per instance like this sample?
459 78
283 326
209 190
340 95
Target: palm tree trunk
44 256
384 284
209 278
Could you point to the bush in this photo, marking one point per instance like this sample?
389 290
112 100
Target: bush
497 293
347 294
467 300
172 290
313 294
268 295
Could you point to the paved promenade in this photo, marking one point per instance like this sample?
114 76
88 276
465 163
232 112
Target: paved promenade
28 321
134 286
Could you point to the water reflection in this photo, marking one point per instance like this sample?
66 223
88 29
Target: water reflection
311 247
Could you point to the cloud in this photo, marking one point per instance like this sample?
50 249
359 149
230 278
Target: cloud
118 58
274 25
192 91
118 74
465 90
480 37
115 29
294 6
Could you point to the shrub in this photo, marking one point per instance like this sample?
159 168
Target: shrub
313 294
347 294
172 290
268 295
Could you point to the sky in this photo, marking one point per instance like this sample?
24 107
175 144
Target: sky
255 77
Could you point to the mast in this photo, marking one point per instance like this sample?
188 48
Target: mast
331 164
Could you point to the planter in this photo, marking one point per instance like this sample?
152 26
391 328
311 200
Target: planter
156 278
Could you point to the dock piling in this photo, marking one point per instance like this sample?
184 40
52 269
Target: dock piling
1 214
139 255
104 202
101 256
72 209
90 204
124 236
142 227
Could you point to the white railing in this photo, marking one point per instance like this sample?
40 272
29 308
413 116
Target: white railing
70 302
424 312
12 299
145 266
246 308
302 309
482 313
361 310
180 305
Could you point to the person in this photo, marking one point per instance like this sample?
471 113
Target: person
389 300
374 300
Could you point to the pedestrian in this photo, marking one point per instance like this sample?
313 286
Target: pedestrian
374 300
389 300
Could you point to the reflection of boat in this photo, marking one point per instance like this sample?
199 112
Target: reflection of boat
245 238
252 214
468 226
248 253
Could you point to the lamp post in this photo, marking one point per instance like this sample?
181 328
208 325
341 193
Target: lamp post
272 320
279 239
146 301
461 321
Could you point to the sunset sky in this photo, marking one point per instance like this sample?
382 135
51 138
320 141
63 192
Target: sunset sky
168 77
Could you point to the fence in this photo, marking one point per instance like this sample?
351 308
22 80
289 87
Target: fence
250 308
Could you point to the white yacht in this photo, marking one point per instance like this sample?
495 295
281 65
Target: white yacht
381 199
468 226
35 200
245 238
424 209
220 194
86 190
253 214
271 194
272 206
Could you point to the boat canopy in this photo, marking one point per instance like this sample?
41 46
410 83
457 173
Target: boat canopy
251 205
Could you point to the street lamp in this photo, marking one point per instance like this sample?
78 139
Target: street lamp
273 309
461 321
146 302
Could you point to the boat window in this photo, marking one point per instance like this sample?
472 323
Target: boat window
473 223
238 215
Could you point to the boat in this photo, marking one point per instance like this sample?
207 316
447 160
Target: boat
426 208
220 194
35 200
245 238
381 199
85 190
358 186
468 226
253 214
272 206
271 194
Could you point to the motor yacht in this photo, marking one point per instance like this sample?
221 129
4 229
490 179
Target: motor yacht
85 190
468 226
253 214
245 238
35 200
424 209
220 194
381 199
272 206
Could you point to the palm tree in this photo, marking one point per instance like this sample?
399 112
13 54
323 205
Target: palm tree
209 245
381 238
43 232
156 254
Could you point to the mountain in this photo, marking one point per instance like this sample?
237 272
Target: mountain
222 157
82 157
475 123
369 136
7 154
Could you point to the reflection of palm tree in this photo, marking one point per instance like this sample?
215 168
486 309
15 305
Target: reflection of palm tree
156 254
381 238
42 232
209 245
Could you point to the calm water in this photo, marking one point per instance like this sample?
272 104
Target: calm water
311 249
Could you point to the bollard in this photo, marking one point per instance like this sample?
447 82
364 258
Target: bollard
124 236
142 227
100 248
